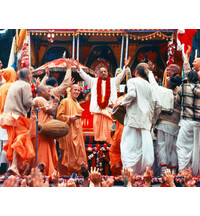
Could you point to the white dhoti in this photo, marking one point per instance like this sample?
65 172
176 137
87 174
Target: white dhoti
166 145
188 146
136 149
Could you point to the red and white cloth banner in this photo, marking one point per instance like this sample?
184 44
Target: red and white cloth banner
184 38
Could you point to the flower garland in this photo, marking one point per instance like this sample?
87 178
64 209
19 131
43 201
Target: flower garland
100 154
51 36
171 51
103 104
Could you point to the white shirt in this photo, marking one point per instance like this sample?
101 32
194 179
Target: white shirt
142 104
92 83
165 95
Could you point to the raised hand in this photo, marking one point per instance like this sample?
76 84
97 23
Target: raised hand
54 177
169 178
76 63
189 50
23 183
148 175
84 170
11 182
126 62
128 176
108 182
67 64
62 184
37 82
36 178
95 177
47 71
187 176
72 81
71 183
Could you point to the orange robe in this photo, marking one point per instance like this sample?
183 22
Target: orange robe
102 124
18 136
115 152
9 76
72 144
46 147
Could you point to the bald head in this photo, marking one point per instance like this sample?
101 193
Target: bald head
25 74
75 91
75 86
41 88
43 91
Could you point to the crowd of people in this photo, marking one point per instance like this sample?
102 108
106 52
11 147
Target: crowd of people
169 113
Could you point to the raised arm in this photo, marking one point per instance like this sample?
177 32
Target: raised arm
186 65
121 76
152 80
43 81
61 89
87 78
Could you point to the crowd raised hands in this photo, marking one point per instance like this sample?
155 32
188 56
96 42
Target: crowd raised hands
94 178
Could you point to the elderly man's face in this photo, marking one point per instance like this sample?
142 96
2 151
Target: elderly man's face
103 73
196 64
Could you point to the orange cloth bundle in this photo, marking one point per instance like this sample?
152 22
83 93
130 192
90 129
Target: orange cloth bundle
18 136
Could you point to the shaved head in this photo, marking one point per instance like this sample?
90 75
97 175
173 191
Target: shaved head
75 85
41 88
43 91
75 91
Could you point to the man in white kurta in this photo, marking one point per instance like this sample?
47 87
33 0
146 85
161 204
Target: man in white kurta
102 121
142 110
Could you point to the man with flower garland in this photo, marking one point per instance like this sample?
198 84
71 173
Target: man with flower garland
103 96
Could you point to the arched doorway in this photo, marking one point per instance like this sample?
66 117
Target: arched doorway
102 56
54 53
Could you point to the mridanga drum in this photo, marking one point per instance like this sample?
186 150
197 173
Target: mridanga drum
53 129
119 113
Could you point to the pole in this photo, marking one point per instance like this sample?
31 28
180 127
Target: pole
17 36
73 47
126 56
36 148
29 48
122 50
77 49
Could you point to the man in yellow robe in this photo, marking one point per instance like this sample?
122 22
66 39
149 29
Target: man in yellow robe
72 145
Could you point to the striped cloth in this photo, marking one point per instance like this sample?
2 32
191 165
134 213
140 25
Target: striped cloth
189 97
